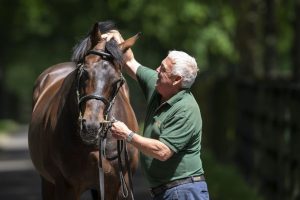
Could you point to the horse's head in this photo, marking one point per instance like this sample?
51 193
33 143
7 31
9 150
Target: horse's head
99 80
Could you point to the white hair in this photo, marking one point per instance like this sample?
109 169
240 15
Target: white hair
185 66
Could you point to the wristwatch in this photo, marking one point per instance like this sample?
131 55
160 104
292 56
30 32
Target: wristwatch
130 136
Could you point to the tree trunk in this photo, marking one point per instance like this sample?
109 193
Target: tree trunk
296 47
246 33
270 53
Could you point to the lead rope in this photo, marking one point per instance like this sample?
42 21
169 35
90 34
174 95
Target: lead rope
120 146
102 144
101 173
129 171
124 187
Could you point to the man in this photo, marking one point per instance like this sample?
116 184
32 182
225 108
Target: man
171 142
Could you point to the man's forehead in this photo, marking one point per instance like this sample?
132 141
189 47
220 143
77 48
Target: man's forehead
167 62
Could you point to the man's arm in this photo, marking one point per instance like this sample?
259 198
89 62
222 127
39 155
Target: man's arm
150 147
131 67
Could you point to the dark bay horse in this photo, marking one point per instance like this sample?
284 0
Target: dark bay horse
73 104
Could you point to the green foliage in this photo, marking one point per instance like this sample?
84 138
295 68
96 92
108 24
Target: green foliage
33 17
41 33
225 182
285 34
17 82
213 40
7 126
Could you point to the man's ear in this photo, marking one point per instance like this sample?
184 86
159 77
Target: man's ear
177 80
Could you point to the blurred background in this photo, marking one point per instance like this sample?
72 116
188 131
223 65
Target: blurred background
248 89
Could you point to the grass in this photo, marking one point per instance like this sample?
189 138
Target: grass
7 126
225 182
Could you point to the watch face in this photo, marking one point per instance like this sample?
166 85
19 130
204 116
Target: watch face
130 136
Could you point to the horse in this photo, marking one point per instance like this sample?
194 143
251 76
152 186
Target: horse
72 107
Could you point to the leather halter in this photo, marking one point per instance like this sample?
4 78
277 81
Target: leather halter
104 55
121 145
108 103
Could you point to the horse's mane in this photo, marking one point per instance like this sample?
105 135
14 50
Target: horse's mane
80 49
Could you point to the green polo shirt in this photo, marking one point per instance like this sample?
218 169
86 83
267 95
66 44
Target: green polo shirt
178 124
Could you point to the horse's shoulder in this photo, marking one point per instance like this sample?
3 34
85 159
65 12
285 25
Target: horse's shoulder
51 76
47 92
125 91
54 72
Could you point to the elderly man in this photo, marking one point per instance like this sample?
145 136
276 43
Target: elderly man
171 142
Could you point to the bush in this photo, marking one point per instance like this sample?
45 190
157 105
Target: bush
7 126
225 182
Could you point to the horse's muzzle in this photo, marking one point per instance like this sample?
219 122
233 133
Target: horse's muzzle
91 132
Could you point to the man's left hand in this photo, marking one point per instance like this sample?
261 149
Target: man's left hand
120 131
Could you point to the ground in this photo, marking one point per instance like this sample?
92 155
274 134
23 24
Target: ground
19 180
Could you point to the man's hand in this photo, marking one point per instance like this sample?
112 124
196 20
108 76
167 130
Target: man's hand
113 34
120 131
131 63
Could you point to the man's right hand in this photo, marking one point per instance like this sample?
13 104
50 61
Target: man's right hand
128 56
113 34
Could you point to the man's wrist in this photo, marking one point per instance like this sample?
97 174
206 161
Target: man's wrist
130 136
133 63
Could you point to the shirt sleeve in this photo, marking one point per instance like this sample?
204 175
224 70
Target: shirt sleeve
147 79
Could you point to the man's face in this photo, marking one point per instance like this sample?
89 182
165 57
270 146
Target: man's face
164 82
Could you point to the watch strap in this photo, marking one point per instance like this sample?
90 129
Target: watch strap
130 136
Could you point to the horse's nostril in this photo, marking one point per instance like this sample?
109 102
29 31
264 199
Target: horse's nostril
90 127
89 132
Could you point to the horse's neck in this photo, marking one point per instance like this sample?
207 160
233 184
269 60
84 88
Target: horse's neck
125 91
50 80
124 108
68 99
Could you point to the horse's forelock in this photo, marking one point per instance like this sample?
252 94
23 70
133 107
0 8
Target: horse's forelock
106 26
113 48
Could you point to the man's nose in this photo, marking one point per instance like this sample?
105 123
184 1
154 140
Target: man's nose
158 69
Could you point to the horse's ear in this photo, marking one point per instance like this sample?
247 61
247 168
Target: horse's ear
95 34
124 46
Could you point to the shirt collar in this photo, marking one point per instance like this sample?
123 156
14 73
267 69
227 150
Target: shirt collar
177 97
